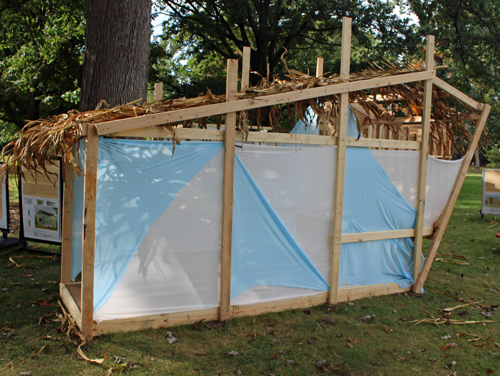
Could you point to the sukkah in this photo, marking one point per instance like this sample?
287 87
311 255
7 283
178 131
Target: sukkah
264 221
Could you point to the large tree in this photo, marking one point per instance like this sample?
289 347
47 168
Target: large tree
117 44
303 28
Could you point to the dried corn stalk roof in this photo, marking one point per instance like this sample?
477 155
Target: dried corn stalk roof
40 141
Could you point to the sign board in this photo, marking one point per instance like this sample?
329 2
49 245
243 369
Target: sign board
491 192
40 198
4 202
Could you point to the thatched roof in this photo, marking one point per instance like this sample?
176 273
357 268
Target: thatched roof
40 141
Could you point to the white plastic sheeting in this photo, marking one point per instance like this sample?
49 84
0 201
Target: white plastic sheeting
402 168
176 267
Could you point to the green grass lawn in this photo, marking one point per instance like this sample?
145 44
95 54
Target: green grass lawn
292 342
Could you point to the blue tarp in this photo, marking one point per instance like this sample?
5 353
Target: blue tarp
263 251
136 182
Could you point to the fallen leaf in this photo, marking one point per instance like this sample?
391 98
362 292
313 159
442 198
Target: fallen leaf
232 353
446 347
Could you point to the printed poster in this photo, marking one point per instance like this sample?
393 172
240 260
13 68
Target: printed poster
41 205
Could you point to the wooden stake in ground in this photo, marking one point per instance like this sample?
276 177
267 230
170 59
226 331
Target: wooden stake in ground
340 167
227 195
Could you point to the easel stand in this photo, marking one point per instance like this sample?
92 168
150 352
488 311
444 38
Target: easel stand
24 247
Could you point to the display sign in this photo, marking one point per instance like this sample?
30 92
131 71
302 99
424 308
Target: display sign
491 192
40 197
4 202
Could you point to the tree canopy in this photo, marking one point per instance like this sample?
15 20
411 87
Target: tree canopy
468 41
41 51
205 33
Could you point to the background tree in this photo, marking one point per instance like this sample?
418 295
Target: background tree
117 44
468 41
41 44
208 32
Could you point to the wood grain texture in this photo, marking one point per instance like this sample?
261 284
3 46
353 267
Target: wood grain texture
338 204
67 222
227 192
88 249
422 176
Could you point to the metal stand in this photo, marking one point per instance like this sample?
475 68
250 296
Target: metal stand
7 242
24 247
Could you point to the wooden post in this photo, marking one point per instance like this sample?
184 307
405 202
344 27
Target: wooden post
340 168
245 69
67 225
158 91
88 252
323 130
320 62
422 178
227 195
445 217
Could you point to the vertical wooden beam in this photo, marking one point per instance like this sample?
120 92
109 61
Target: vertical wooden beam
67 218
320 62
89 212
445 217
424 146
340 167
323 130
227 195
158 91
245 69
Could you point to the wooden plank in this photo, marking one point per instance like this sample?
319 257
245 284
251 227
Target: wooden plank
155 321
456 93
258 102
67 221
382 235
320 62
227 193
279 305
245 69
281 138
422 177
88 250
445 217
70 303
377 143
353 293
338 205
158 91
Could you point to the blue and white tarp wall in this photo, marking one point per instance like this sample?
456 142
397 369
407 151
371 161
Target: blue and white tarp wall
159 214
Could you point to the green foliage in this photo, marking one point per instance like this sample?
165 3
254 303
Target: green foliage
493 156
468 41
202 34
41 51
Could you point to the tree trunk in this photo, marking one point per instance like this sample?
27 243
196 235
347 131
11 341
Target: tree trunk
116 52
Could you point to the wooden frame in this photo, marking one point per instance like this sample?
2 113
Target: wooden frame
78 297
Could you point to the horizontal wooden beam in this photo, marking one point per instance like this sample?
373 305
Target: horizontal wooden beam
456 93
155 321
382 235
279 305
258 102
190 317
279 138
360 292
